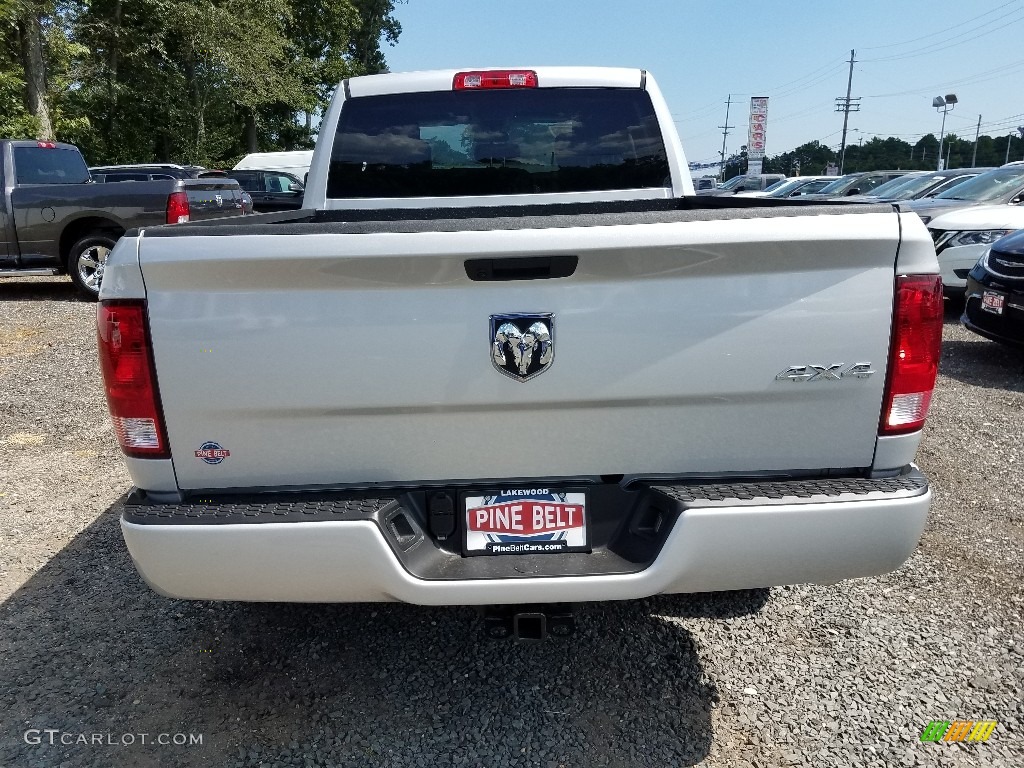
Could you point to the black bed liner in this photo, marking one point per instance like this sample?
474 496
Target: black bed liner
505 217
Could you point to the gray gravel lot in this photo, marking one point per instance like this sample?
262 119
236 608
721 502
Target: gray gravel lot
844 675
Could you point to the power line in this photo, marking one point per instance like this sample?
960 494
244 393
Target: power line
794 115
813 75
697 113
943 31
805 86
948 43
831 66
978 77
693 136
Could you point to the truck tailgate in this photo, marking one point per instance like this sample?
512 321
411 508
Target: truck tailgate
213 198
365 356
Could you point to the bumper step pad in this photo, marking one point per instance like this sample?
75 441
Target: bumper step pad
278 508
794 491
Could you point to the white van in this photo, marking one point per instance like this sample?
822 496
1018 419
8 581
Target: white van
296 163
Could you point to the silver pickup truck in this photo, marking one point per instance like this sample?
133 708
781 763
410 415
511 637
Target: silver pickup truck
506 356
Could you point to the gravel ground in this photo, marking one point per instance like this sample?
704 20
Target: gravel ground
844 675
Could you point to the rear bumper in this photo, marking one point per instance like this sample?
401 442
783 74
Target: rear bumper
709 544
1005 328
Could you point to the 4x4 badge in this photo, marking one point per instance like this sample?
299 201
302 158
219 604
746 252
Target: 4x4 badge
832 372
522 346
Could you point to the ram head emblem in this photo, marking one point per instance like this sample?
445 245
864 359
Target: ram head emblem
522 346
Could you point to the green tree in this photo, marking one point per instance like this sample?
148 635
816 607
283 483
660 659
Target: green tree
31 18
878 154
206 81
338 39
35 61
810 159
15 119
376 23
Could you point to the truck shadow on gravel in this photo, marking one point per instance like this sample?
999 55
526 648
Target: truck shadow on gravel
983 363
57 289
952 309
89 649
977 360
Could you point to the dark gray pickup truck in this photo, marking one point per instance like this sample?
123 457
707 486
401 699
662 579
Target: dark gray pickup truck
54 220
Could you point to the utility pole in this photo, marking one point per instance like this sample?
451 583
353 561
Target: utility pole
1008 140
846 106
977 132
725 134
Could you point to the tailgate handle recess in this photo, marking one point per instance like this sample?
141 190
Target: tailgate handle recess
521 268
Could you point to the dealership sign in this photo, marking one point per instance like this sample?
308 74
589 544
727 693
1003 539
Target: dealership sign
758 124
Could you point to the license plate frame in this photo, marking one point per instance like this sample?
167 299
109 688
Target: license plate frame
993 301
500 533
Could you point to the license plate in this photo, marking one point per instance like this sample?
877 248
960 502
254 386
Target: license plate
993 302
525 521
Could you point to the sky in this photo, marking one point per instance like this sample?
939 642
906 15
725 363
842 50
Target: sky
793 51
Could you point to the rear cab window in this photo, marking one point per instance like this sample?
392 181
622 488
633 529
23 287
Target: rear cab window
458 143
49 165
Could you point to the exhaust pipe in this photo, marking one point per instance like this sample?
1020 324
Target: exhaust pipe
529 623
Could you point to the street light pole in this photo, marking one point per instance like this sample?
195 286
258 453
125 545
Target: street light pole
942 136
944 104
977 133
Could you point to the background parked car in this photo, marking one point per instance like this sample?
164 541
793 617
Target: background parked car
886 187
148 172
270 190
751 183
855 184
916 186
994 306
295 162
1000 186
704 184
962 236
795 186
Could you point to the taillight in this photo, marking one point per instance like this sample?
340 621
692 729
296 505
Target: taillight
126 360
177 208
496 78
914 353
46 144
